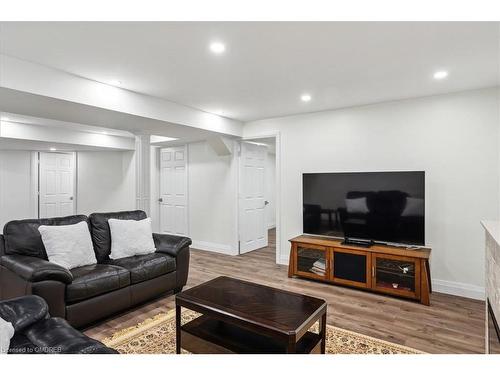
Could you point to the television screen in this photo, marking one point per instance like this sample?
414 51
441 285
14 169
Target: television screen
377 206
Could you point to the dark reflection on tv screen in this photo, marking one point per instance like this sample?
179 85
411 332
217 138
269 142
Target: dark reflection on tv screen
378 206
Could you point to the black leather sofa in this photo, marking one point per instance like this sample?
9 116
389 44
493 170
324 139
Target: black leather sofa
37 333
87 294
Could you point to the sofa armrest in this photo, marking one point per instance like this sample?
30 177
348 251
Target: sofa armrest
2 245
178 247
24 311
34 269
56 335
171 245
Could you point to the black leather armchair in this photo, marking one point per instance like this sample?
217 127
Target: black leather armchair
86 294
37 333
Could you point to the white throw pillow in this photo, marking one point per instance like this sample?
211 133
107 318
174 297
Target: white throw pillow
414 207
6 333
356 205
131 237
69 246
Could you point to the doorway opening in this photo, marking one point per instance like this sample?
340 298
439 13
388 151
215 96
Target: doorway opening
259 222
56 184
173 199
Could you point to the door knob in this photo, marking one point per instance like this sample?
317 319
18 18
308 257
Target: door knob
160 200
70 198
266 203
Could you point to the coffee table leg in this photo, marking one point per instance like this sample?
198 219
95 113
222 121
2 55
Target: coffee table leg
177 329
292 345
322 332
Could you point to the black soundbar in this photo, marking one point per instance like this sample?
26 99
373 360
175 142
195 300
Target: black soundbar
357 242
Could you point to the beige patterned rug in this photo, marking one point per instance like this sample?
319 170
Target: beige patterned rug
157 336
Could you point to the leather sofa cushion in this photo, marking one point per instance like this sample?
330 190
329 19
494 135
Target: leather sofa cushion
57 336
101 236
22 236
93 280
147 266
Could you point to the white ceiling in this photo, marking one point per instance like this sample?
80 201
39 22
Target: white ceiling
23 119
266 66
9 144
43 110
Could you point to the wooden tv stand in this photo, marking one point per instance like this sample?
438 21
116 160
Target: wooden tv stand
385 269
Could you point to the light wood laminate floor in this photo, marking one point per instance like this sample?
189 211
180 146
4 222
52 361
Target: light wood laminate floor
449 325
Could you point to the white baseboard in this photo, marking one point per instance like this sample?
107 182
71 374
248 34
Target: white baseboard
458 289
283 262
215 247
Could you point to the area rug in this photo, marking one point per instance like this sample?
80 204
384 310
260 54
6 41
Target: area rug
157 336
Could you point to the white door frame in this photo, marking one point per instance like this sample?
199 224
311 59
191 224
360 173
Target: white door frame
34 185
277 137
155 188
35 180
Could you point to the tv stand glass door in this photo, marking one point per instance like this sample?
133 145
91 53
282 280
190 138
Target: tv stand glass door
396 275
312 261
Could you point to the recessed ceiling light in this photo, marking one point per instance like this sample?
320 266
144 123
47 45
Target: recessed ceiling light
305 97
217 47
104 132
442 74
116 82
53 149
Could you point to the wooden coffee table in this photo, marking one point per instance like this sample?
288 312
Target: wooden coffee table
242 317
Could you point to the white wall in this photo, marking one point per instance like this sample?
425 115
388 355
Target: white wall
105 182
16 200
212 199
271 190
454 138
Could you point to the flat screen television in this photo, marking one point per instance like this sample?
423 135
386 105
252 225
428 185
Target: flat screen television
386 207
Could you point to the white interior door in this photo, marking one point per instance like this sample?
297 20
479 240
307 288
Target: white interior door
173 191
56 186
252 221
